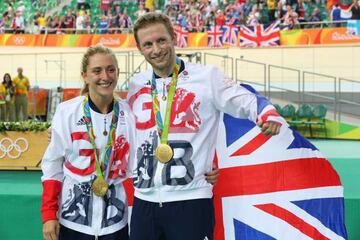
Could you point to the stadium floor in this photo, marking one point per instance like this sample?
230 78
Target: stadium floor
20 193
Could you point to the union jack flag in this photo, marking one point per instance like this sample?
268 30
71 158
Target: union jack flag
181 36
259 36
230 35
215 35
278 187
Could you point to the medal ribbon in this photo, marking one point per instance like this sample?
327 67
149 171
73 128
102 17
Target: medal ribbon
163 127
111 137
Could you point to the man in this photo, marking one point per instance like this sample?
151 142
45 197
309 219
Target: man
22 86
177 106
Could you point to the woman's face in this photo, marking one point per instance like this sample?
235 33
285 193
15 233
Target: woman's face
101 75
7 78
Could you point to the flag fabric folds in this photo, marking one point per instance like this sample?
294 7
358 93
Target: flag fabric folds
278 187
259 35
230 35
215 35
181 36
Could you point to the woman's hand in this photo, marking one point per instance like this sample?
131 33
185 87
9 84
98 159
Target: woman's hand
51 230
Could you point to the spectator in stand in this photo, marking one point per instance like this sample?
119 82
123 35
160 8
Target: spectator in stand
182 20
35 24
54 25
111 20
210 20
335 15
247 8
175 5
103 25
282 8
300 11
7 22
61 25
41 20
315 15
8 91
9 9
21 8
49 25
231 16
87 22
150 4
271 5
290 19
355 10
172 14
22 86
254 17
125 22
220 18
141 11
69 22
81 10
115 19
18 24
2 30
105 6
80 23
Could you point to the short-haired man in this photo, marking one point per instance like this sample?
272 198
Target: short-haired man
22 86
177 106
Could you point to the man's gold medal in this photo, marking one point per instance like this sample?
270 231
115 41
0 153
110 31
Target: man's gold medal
164 153
100 187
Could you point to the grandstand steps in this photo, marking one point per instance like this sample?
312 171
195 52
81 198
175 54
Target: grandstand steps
58 8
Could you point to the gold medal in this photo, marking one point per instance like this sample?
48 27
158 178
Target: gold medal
164 153
100 187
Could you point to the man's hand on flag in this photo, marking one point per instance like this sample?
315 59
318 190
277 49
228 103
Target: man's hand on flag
269 128
212 177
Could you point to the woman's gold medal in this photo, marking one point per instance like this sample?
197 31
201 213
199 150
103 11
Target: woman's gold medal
100 187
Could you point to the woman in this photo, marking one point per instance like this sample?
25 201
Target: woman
85 162
7 99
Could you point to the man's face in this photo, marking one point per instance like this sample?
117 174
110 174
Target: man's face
157 46
101 76
20 71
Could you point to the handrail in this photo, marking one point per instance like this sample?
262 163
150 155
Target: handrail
286 68
250 61
125 84
337 91
224 57
327 76
340 94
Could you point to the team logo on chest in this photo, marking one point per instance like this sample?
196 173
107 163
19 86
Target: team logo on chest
185 117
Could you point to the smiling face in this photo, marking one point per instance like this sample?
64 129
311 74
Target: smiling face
7 78
156 44
101 76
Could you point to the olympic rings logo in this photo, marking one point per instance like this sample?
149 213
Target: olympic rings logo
19 40
13 149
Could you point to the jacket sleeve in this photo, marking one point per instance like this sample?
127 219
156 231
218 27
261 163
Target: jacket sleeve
239 100
52 168
132 142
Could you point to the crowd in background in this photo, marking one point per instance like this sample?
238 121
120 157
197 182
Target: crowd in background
117 16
